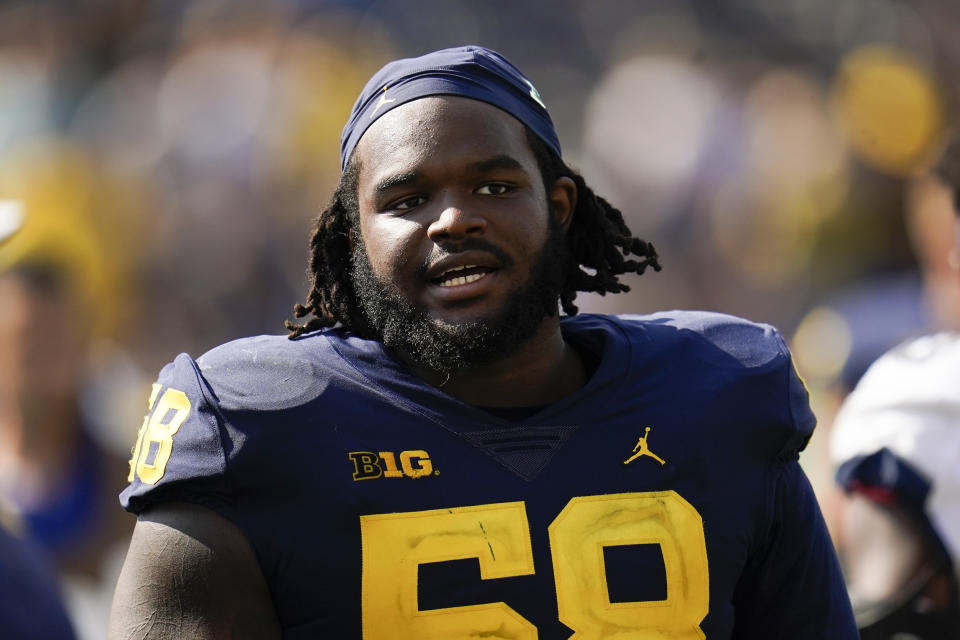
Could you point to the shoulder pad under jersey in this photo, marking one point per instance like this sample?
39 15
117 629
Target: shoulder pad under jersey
739 354
268 373
181 450
179 441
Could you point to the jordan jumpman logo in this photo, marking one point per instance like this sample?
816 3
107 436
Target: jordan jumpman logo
643 450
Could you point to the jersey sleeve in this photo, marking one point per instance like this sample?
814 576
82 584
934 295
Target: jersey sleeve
802 420
179 451
772 398
747 364
793 588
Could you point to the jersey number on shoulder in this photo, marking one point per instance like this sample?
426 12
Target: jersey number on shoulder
498 535
155 439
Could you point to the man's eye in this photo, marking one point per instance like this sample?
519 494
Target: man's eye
408 203
494 189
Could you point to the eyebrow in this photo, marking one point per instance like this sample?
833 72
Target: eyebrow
396 180
496 162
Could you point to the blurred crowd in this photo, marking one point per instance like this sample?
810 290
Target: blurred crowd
167 158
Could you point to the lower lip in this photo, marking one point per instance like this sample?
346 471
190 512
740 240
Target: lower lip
464 291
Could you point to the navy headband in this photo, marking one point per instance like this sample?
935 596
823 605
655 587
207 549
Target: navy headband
472 72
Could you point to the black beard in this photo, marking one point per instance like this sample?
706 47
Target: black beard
444 348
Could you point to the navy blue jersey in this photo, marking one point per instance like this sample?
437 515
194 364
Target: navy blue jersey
661 500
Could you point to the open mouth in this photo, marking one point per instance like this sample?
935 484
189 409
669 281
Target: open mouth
459 276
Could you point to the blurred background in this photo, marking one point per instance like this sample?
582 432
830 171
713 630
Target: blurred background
168 157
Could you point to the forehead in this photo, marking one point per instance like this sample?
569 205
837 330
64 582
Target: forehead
440 131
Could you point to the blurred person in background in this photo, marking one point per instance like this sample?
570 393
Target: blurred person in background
55 472
839 340
30 603
436 453
896 440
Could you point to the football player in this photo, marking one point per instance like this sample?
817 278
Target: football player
30 602
896 440
437 453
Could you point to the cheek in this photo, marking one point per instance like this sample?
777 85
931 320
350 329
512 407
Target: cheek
392 245
529 233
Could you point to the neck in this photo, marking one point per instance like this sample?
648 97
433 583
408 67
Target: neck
543 370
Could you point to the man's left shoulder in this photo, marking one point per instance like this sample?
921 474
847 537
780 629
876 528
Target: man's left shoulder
741 366
737 341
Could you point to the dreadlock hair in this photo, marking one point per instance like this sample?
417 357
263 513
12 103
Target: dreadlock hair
598 237
599 246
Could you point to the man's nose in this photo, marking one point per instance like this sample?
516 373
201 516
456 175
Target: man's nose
456 222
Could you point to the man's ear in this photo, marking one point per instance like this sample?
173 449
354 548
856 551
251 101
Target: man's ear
563 200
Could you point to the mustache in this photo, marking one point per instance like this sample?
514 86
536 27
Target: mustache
446 249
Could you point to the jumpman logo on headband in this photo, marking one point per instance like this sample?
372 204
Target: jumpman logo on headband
383 101
643 450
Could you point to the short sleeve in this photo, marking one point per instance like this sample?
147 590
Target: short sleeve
179 452
793 588
802 418
749 363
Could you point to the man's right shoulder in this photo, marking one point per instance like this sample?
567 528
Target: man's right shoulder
203 413
267 372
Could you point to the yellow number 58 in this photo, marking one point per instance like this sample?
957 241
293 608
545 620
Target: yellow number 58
166 418
498 535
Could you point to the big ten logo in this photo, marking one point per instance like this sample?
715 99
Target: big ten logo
368 465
